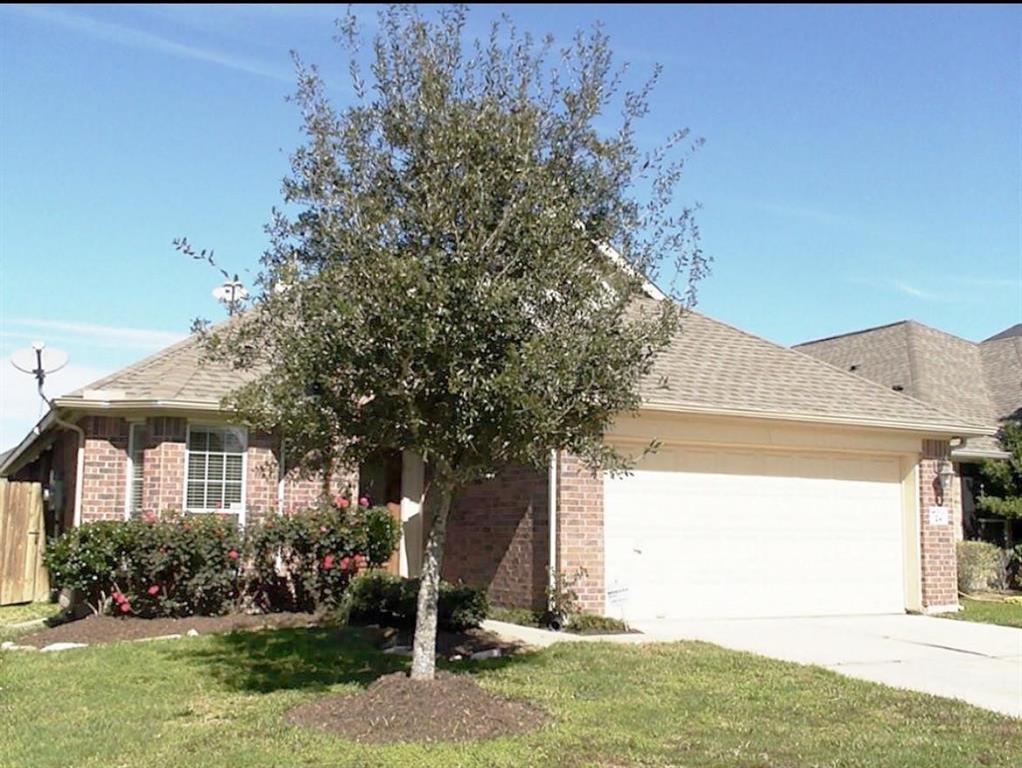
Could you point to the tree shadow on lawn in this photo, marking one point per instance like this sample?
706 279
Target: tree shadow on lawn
307 659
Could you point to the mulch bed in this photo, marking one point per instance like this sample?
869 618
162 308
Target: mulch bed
96 630
451 708
456 644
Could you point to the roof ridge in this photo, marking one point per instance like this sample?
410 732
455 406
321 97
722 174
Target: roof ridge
861 380
850 333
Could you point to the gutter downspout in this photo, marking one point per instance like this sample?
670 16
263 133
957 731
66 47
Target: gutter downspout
552 507
281 479
79 469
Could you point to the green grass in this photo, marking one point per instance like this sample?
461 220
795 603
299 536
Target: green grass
988 612
219 700
17 614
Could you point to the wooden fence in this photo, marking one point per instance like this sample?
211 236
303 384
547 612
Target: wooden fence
22 540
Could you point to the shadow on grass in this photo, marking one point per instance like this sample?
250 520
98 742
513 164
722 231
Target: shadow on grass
307 659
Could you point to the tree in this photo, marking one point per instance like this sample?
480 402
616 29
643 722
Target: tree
1002 479
442 280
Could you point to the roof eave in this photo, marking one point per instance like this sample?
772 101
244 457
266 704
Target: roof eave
82 404
973 454
12 462
948 429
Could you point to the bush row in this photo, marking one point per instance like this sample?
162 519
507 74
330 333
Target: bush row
202 564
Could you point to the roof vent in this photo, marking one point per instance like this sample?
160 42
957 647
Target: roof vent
853 367
898 388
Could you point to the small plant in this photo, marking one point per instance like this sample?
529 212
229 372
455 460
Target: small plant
981 566
562 599
593 624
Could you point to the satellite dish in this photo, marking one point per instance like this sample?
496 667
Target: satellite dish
39 360
232 294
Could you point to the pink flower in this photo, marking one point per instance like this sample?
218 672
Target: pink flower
125 607
150 517
345 563
233 554
117 596
342 502
328 562
364 501
153 590
360 562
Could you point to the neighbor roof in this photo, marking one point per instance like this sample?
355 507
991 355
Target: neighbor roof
978 382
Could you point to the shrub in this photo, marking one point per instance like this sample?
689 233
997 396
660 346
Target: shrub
591 623
201 564
981 566
305 561
86 560
148 567
382 598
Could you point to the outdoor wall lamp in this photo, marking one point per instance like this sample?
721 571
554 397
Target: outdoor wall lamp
945 474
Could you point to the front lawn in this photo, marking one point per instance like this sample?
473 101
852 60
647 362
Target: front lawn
220 700
11 615
989 612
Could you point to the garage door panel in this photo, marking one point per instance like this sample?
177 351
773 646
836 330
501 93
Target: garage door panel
697 532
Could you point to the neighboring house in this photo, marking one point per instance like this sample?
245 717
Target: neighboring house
978 382
783 486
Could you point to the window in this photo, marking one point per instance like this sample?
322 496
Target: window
135 470
215 479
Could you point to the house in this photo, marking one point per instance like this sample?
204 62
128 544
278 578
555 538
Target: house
979 382
783 486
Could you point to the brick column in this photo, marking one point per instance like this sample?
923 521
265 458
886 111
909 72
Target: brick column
580 529
938 559
163 474
106 443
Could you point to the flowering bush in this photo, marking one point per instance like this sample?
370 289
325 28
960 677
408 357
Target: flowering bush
148 567
306 560
201 564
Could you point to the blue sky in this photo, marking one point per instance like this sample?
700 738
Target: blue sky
861 166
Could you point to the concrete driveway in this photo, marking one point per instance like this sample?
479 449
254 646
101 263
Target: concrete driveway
978 663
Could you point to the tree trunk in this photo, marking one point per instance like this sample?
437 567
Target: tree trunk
424 645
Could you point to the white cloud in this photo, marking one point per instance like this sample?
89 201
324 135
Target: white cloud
138 38
29 328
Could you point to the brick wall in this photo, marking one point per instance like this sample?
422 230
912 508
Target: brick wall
580 530
164 464
106 441
498 538
937 542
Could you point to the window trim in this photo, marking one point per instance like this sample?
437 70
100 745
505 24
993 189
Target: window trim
241 512
129 464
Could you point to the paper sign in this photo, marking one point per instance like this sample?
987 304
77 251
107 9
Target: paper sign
939 516
617 595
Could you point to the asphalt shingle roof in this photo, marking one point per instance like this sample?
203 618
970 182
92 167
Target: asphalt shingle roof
979 382
710 366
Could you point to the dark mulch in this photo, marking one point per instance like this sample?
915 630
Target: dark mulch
454 644
109 629
451 708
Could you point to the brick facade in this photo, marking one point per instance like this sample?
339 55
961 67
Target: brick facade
498 538
580 530
938 559
164 466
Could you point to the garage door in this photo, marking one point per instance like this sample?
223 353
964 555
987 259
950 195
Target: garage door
698 533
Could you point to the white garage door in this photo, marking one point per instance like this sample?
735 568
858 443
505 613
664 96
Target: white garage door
700 533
